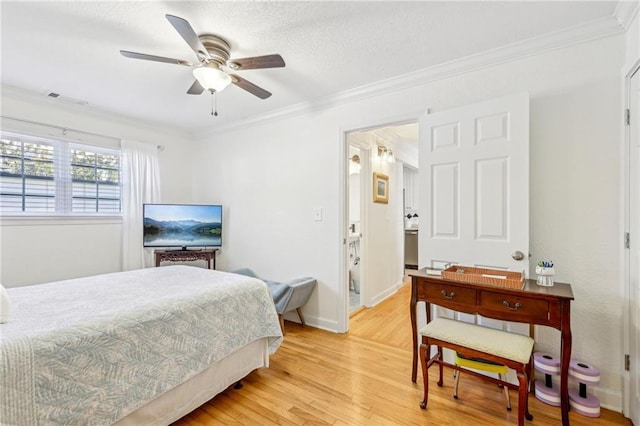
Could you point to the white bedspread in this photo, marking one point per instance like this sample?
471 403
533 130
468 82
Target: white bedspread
90 351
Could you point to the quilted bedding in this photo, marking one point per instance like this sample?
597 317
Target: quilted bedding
92 350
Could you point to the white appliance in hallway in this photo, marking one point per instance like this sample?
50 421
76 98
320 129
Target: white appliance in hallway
354 266
354 228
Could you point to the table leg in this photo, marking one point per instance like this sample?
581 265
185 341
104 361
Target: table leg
565 347
414 331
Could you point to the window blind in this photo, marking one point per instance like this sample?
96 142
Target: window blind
50 176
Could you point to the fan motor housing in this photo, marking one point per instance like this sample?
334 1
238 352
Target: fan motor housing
217 47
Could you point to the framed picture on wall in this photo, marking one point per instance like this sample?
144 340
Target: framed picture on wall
380 188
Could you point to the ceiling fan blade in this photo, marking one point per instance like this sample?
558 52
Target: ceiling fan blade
155 58
189 35
195 89
249 86
267 61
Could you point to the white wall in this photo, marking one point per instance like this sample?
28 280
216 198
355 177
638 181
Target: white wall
384 237
43 250
632 43
271 182
273 174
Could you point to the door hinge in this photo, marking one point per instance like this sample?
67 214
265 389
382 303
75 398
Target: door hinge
627 362
627 117
627 240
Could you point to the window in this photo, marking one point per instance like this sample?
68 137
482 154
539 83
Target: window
49 176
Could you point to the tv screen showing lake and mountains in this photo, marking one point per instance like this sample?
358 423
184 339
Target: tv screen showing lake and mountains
181 225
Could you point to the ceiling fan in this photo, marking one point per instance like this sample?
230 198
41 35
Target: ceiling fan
215 70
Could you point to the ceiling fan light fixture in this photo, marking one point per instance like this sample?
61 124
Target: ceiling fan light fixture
213 52
212 79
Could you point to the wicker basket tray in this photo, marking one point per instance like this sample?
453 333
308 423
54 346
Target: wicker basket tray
492 277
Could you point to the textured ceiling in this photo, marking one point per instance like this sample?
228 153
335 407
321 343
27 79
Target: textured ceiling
72 48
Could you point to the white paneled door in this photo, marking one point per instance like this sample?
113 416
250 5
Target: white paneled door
474 192
474 185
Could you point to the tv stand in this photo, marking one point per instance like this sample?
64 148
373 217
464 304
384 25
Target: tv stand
182 250
184 255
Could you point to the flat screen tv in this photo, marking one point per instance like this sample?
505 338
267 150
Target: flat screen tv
182 225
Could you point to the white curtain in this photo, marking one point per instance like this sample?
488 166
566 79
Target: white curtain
140 185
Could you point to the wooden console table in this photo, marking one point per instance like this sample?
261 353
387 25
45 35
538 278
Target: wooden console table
549 306
208 255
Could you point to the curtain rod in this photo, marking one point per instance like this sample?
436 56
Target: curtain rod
66 129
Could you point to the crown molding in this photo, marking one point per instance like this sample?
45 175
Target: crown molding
582 33
83 108
626 11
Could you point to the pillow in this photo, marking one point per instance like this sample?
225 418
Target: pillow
4 305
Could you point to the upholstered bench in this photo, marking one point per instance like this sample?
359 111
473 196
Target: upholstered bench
475 341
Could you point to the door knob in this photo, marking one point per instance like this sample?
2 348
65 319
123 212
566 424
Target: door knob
517 255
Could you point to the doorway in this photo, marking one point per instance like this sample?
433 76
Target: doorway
375 225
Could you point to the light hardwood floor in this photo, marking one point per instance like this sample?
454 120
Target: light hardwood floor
364 378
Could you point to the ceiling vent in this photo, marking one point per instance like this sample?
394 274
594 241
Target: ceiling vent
60 98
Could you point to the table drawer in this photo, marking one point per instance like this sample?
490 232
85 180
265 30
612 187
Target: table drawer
517 306
442 294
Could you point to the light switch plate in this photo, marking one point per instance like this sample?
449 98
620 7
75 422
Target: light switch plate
317 214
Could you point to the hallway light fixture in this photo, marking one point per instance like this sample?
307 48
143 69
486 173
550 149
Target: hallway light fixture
354 164
385 154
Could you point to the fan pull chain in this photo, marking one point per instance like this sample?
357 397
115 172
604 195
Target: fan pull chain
214 110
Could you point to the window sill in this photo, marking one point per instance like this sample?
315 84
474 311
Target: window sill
53 219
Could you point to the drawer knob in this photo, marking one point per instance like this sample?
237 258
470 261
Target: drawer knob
448 296
515 307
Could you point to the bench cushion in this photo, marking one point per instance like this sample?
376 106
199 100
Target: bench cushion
512 346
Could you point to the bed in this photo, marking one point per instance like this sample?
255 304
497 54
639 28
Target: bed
137 347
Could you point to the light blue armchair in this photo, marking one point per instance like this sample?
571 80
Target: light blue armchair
287 296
